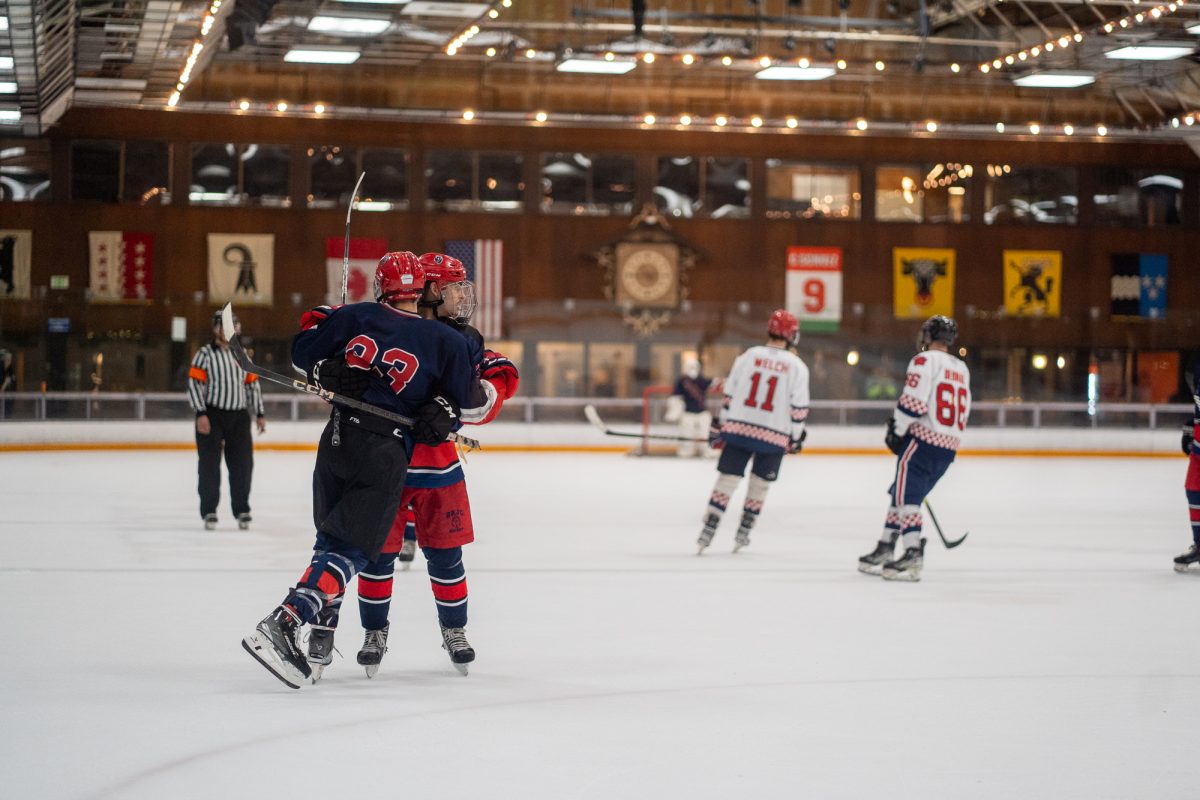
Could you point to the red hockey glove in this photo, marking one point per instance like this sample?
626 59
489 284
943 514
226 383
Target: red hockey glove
501 372
715 441
314 317
796 445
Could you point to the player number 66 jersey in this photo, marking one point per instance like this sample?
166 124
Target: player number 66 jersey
936 399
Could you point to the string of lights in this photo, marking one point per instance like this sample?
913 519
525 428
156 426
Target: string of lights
185 75
472 30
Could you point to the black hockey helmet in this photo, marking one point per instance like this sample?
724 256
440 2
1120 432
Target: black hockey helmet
939 328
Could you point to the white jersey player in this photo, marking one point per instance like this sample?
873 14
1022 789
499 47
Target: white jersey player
924 432
762 418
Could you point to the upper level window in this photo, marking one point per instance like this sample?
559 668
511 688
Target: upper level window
579 183
240 174
24 170
923 192
459 180
1036 195
114 171
334 169
812 191
689 186
1147 197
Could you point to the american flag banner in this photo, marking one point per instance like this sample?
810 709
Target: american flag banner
484 260
122 265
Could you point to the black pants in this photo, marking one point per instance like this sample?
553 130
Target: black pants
231 429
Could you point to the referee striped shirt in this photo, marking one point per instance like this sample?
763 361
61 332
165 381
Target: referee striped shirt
216 381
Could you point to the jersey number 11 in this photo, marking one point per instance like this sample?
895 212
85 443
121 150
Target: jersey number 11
768 404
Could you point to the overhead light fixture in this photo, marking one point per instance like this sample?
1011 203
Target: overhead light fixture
358 26
795 73
3 24
688 59
1194 30
129 84
597 66
756 122
721 121
686 119
312 55
541 116
1055 79
1152 51
999 127
649 119
319 108
244 105
6 62
423 8
792 122
8 87
861 124
10 115
468 115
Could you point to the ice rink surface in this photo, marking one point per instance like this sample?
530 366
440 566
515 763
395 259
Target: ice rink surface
1053 655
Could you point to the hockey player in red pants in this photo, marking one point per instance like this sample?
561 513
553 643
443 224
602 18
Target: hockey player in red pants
434 507
1189 561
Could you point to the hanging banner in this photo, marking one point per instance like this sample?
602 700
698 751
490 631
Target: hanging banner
814 287
1139 285
16 256
360 277
1032 283
241 268
121 265
922 281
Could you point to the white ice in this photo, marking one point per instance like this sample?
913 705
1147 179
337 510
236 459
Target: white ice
1053 655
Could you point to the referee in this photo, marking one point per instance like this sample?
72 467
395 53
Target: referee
222 394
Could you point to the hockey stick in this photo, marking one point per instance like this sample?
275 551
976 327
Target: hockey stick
593 417
949 545
346 249
239 355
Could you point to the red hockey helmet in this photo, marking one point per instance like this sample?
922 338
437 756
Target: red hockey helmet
399 276
783 325
442 268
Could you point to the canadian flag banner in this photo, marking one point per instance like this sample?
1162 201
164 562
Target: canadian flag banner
364 257
122 265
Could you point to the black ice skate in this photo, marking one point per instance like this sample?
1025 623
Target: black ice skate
454 642
320 649
244 521
374 646
710 530
907 567
210 522
1189 561
273 644
408 551
872 563
742 537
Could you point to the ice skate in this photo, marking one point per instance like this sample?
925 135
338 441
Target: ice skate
210 522
872 563
706 536
454 642
273 644
244 521
742 537
408 551
373 648
907 567
1188 561
320 649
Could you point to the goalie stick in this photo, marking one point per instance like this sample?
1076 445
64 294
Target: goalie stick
240 355
933 518
593 417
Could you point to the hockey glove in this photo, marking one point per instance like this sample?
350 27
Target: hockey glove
434 421
715 441
893 440
335 375
501 372
314 317
1187 441
797 445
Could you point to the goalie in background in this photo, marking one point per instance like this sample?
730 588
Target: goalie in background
687 406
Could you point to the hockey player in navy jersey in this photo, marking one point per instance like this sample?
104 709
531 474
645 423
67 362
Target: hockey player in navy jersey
924 432
761 419
1190 561
434 509
688 406
385 354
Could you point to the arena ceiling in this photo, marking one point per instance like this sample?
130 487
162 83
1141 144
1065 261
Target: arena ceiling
883 64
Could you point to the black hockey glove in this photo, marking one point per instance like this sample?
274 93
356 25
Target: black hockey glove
335 375
893 440
434 421
1187 440
796 445
715 440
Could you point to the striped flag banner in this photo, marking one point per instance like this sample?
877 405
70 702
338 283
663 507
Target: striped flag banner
484 260
360 278
122 265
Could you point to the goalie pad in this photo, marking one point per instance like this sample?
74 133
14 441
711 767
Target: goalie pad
675 408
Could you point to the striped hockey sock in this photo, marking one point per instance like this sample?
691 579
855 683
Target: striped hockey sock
375 592
448 579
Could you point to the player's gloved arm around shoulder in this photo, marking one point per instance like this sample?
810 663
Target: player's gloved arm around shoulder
893 439
501 372
1187 440
434 421
335 375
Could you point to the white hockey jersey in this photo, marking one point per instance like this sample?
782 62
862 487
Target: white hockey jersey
936 400
766 400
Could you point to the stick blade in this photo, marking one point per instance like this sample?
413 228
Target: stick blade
593 417
957 542
227 327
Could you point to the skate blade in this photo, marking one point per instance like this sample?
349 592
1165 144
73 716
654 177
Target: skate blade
908 576
738 547
1185 568
462 668
371 669
263 656
870 569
